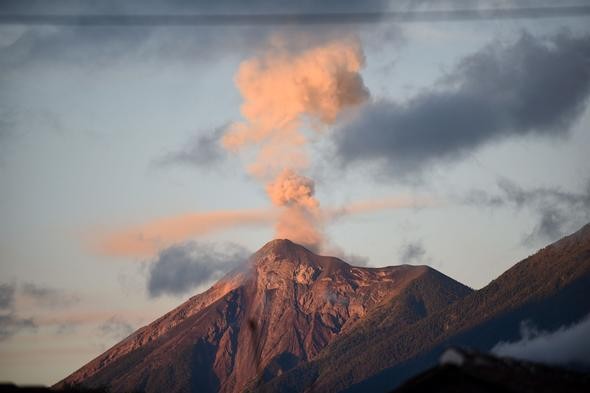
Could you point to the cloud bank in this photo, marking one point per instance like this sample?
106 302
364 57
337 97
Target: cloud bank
146 240
203 151
558 212
99 45
183 267
115 328
6 296
47 297
412 252
532 87
566 346
10 322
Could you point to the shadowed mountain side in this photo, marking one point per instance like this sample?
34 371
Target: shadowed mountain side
550 288
148 334
424 296
277 312
463 371
12 388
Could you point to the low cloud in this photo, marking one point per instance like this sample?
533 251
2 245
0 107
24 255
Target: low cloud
558 212
202 151
15 297
412 252
48 297
6 296
10 322
98 45
146 240
566 346
532 87
376 205
183 267
115 328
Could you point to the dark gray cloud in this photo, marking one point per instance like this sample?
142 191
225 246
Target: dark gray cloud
568 345
99 45
48 297
182 267
155 7
115 328
558 212
201 151
117 31
535 86
10 322
412 252
6 296
227 12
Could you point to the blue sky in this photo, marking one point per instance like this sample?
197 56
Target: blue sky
88 114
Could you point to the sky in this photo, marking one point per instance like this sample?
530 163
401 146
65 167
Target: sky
138 164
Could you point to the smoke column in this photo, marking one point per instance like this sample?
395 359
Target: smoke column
285 95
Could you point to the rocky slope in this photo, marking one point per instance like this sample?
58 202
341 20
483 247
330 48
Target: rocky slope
280 310
549 289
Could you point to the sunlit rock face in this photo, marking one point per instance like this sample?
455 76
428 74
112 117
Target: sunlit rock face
281 308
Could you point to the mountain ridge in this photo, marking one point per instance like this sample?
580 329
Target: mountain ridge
550 287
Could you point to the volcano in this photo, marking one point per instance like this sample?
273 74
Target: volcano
288 320
279 310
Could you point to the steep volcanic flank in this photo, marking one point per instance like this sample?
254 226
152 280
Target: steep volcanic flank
549 290
281 309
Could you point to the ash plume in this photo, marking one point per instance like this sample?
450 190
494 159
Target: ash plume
300 215
288 95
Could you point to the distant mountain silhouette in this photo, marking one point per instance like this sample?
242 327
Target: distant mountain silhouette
463 371
12 388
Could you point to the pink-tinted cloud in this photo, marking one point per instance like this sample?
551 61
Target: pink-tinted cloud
145 240
374 205
298 218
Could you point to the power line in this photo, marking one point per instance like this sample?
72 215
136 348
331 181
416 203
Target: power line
293 19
